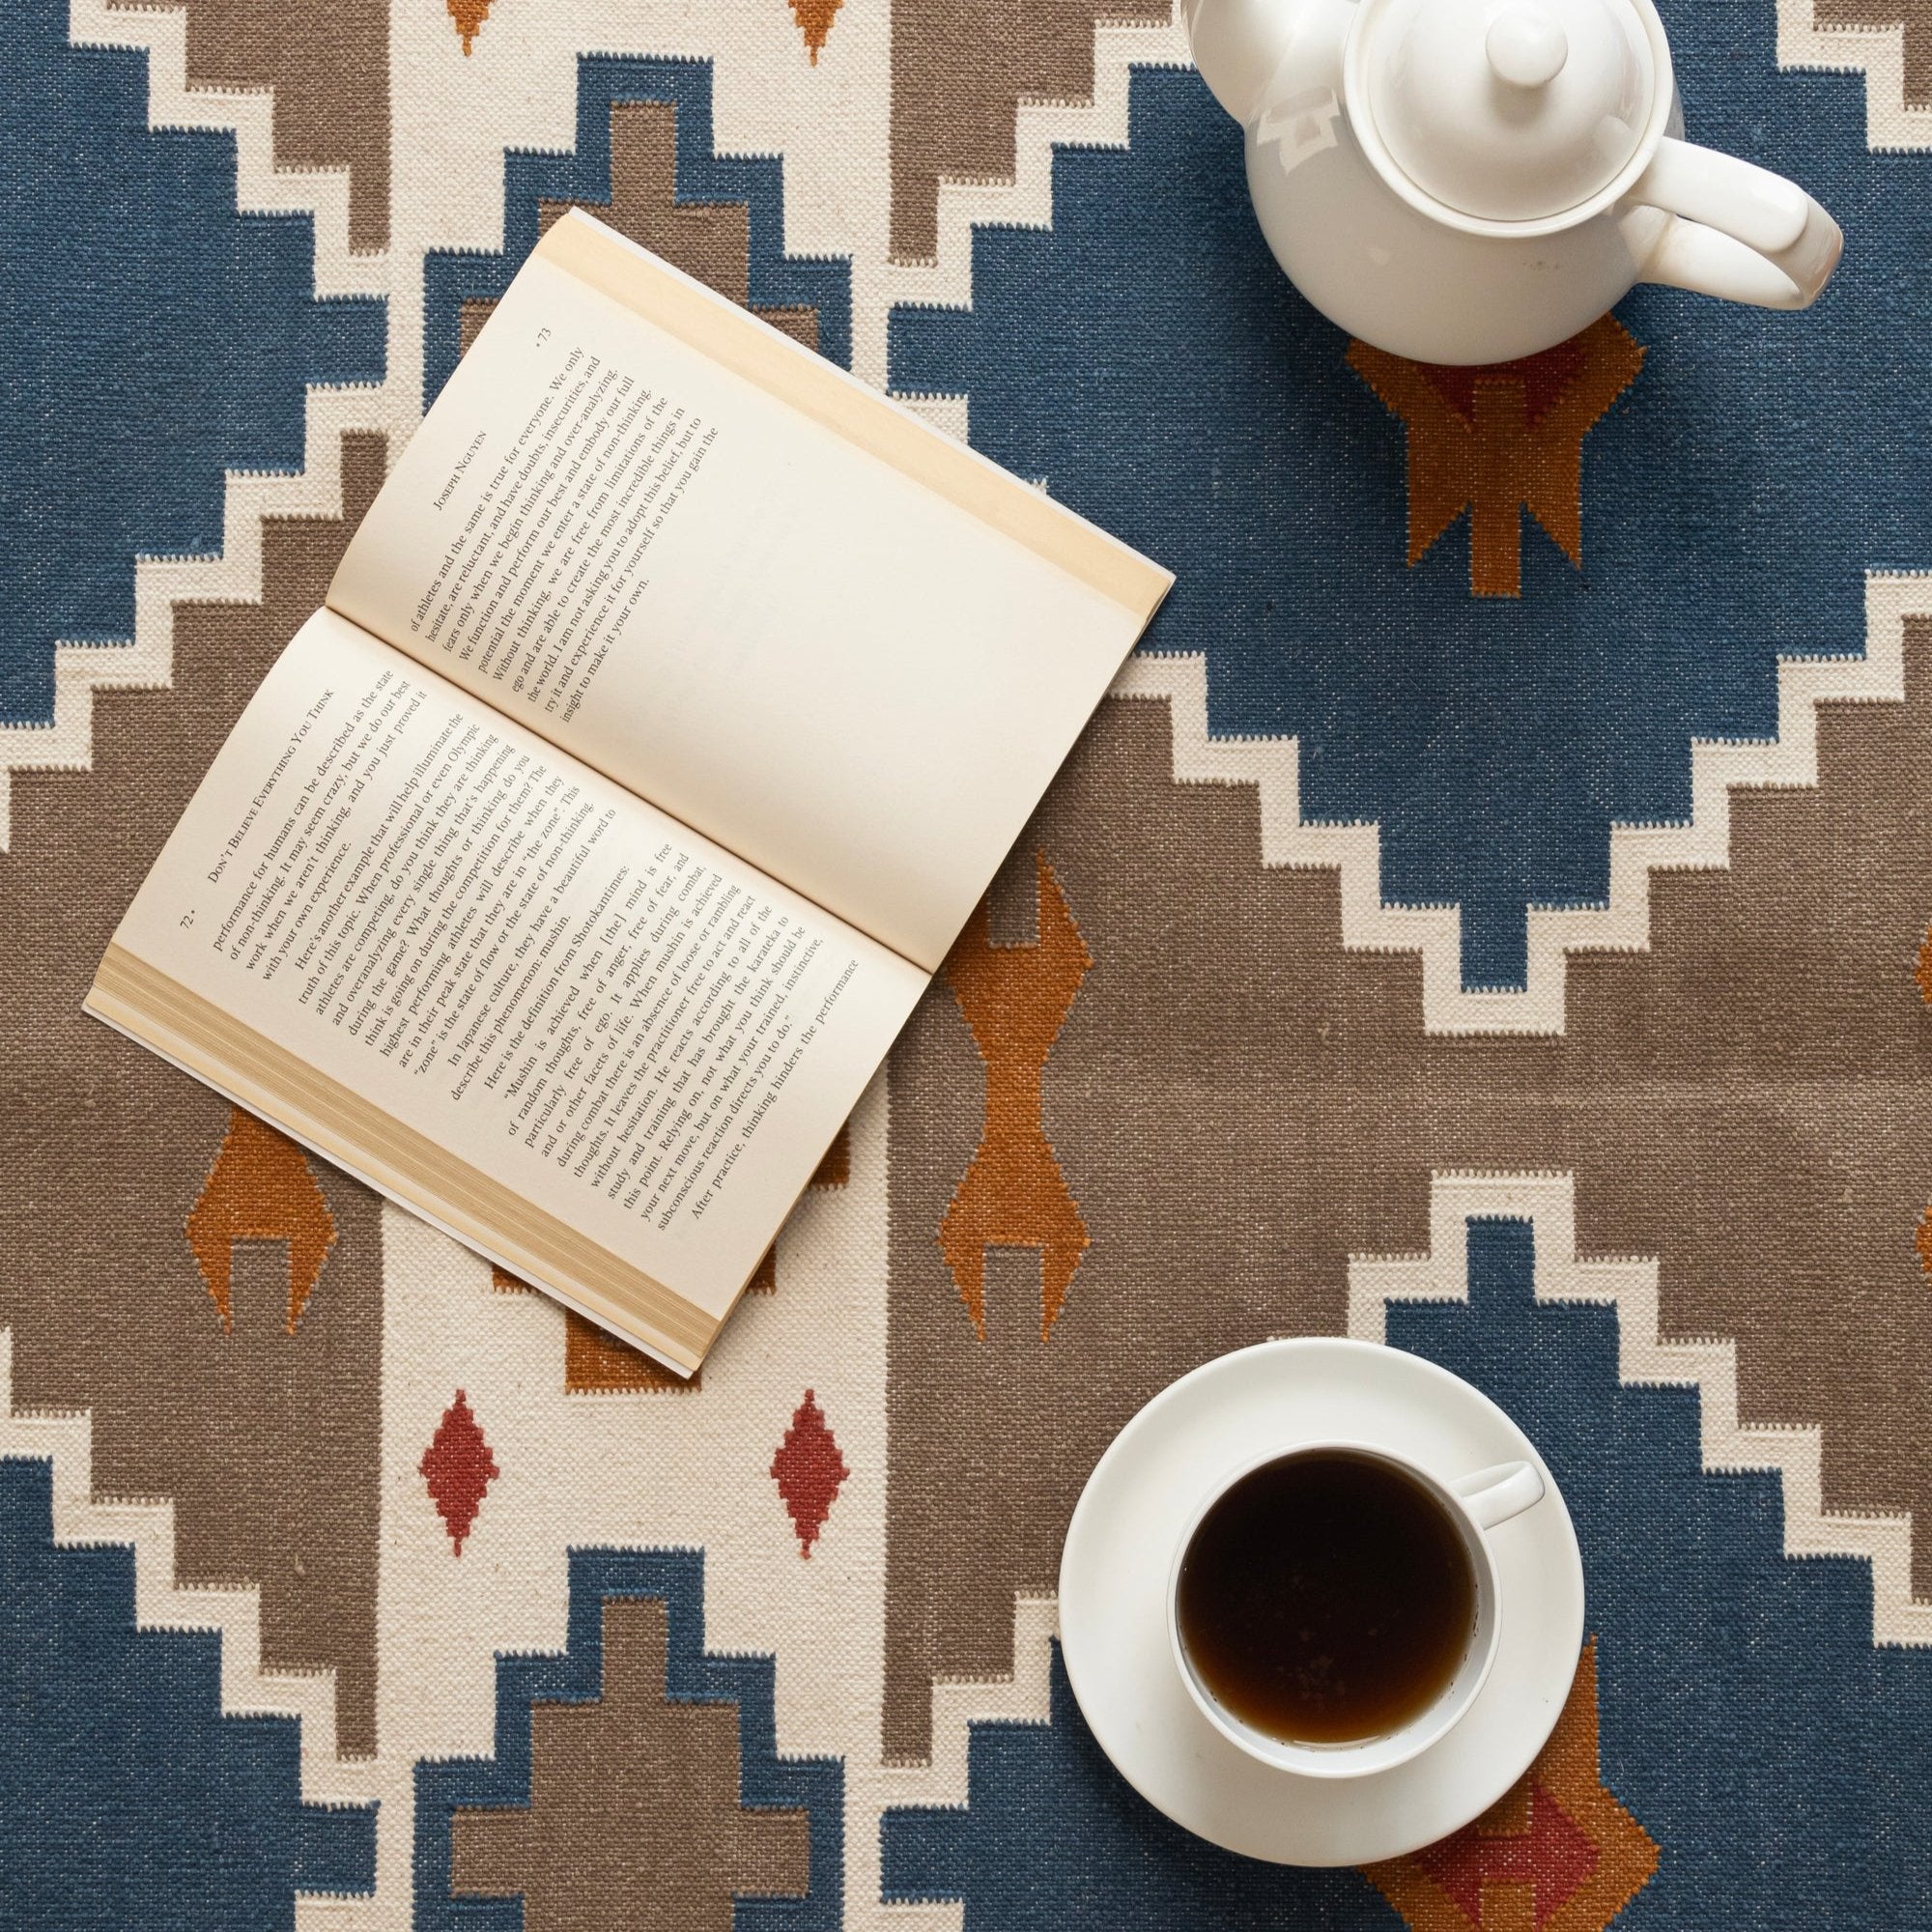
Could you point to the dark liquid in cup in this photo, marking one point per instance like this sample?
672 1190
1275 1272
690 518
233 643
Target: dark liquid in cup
1326 1597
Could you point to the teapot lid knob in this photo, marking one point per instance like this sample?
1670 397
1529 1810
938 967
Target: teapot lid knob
1527 47
1505 111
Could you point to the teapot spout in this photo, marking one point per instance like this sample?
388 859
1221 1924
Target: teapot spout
1239 45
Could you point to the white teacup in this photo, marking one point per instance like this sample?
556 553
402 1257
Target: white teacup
1473 1504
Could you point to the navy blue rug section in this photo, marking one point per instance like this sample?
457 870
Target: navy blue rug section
1146 359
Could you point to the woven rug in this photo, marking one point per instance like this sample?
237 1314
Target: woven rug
1499 897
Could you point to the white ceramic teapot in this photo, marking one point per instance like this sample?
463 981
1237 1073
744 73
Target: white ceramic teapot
1470 181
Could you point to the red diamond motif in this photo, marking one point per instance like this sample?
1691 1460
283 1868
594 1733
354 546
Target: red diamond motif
457 1468
809 1472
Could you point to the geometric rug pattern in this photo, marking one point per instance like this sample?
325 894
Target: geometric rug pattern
1490 917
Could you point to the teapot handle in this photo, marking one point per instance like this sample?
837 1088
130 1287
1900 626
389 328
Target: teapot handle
1740 232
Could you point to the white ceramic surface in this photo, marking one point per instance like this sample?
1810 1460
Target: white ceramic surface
1113 1574
1472 181
1511 112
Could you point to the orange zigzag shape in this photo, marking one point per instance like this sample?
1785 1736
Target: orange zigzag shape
1013 1194
259 1190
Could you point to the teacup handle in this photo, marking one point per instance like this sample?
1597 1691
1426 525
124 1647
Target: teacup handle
1496 1495
1741 232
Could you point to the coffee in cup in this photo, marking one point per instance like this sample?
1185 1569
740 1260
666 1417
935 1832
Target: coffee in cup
1333 1607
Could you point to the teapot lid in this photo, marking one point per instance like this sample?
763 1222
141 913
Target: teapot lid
1507 111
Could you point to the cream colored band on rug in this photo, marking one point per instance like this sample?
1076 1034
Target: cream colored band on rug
345 1129
748 347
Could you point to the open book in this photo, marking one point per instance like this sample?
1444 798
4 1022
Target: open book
573 869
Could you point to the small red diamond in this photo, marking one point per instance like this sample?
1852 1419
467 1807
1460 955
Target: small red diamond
809 1472
457 1468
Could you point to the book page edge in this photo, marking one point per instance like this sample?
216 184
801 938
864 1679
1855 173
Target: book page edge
682 1357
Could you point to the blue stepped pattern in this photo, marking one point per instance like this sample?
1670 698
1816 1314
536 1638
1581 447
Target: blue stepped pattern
1749 1723
777 280
1147 359
675 1577
126 1797
126 275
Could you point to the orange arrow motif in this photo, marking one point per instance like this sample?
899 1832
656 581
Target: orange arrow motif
259 1190
469 16
1498 440
1013 1194
814 23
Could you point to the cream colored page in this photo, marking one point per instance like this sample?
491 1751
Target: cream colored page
495 946
723 604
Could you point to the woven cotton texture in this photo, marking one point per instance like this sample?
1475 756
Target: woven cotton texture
1490 918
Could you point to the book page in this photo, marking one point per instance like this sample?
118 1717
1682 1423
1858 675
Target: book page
747 587
469 967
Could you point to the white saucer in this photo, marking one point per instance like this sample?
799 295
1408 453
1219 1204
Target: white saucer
1113 1601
